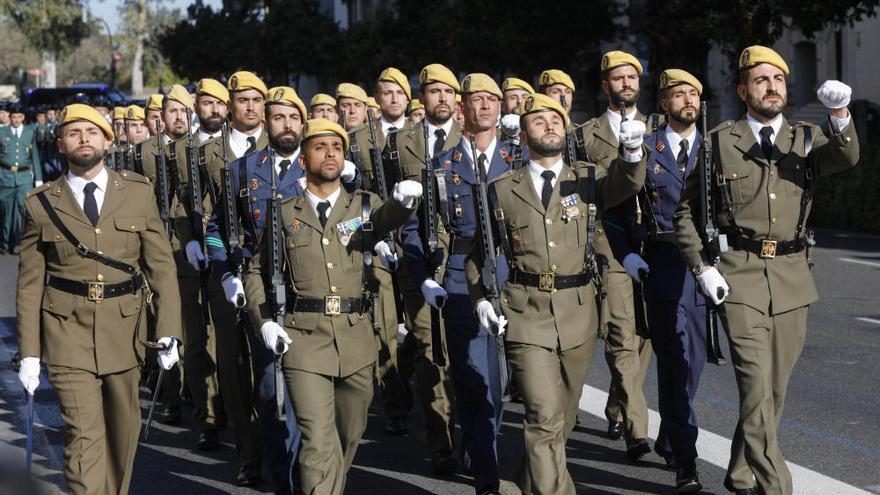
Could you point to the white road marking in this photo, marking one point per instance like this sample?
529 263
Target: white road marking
861 262
715 449
869 320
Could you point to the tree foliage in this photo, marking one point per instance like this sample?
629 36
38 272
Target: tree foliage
53 26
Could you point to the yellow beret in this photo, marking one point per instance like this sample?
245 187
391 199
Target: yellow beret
119 113
179 94
555 76
213 87
154 102
438 73
415 105
322 127
674 77
537 102
134 112
616 58
458 97
393 75
77 111
322 99
757 54
372 103
243 80
514 83
477 82
349 90
283 95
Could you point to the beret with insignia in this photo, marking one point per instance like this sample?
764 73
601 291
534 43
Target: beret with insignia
757 54
616 58
555 76
438 73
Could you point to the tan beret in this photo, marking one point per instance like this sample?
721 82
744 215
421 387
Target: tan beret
322 127
134 112
244 80
555 76
515 83
538 102
673 77
78 112
393 75
757 54
438 73
154 102
616 58
477 82
349 90
322 99
213 87
179 94
284 95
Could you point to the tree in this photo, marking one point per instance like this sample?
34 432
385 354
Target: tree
141 26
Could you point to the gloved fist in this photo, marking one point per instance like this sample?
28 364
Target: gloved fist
834 94
434 294
38 183
273 334
233 289
713 285
406 192
510 125
195 256
170 356
493 323
29 374
632 133
635 267
388 258
349 171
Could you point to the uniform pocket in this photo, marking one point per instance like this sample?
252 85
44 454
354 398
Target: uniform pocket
514 298
576 232
57 302
129 305
62 247
792 172
129 228
297 245
740 184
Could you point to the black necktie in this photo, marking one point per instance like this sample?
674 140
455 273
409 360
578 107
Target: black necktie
285 164
547 190
766 144
252 145
441 140
481 166
682 158
390 130
90 205
323 206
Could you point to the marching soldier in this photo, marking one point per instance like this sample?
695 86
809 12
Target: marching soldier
247 95
374 107
765 170
557 85
515 92
20 170
549 292
328 342
153 111
82 310
351 101
323 106
135 125
415 112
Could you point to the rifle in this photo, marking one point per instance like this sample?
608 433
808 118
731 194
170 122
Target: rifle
162 189
380 185
128 156
570 152
714 242
233 244
431 178
115 159
277 289
197 211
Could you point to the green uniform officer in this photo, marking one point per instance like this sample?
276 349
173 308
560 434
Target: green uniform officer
20 170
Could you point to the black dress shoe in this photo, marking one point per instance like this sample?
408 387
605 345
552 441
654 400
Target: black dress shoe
171 415
668 458
443 463
686 479
396 427
208 440
615 430
637 449
248 476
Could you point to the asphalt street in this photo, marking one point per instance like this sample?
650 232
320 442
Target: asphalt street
830 430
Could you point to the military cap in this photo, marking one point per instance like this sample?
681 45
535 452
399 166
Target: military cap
555 76
119 113
393 75
757 54
97 101
372 103
244 80
616 58
477 82
537 102
322 99
322 127
349 90
179 94
77 111
458 97
134 112
515 83
415 105
15 108
673 77
154 102
283 95
212 87
438 73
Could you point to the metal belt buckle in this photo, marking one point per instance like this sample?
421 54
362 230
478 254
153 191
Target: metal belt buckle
546 282
13 169
768 249
332 305
96 291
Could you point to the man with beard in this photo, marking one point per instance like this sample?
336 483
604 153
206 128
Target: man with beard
329 348
627 354
20 171
82 310
766 170
557 85
323 106
351 101
676 312
548 296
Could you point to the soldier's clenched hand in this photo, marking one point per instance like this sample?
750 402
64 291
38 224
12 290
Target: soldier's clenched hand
195 256
406 192
710 281
272 333
434 294
493 323
29 374
388 259
233 289
834 94
635 266
632 133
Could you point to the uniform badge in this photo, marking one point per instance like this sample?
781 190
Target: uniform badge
295 225
569 207
503 152
657 169
457 156
344 239
660 146
446 164
605 63
233 82
257 214
664 80
530 101
456 179
466 85
348 228
544 80
516 241
253 183
744 62
278 95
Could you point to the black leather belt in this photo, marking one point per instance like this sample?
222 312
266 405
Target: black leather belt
97 290
461 245
766 248
330 305
549 281
668 237
15 168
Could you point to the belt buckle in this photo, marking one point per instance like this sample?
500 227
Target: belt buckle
768 249
332 305
13 169
546 282
96 291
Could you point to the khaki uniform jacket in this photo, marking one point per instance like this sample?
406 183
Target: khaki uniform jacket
411 146
766 203
69 330
318 265
542 241
360 149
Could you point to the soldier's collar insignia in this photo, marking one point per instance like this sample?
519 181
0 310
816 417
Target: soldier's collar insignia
446 164
302 182
456 179
660 146
258 213
503 152
657 169
253 183
295 224
456 156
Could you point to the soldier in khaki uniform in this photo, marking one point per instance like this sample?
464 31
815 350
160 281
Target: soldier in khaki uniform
548 296
515 92
415 112
135 125
85 314
329 344
351 101
557 85
765 170
323 106
628 354
153 111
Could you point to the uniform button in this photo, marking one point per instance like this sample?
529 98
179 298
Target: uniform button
548 221
51 305
325 241
100 277
253 200
330 265
797 167
773 220
772 173
733 176
98 231
551 244
552 268
505 300
772 195
847 139
333 289
131 227
57 237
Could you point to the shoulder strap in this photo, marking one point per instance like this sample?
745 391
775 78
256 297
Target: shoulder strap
500 225
726 203
807 194
244 206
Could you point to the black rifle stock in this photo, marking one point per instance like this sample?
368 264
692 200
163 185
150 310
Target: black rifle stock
277 289
433 252
162 186
196 213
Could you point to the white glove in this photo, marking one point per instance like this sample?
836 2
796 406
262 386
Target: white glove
29 374
349 171
494 324
195 256
388 259
633 264
272 332
233 289
710 281
510 125
170 356
834 94
38 183
406 192
434 294
632 133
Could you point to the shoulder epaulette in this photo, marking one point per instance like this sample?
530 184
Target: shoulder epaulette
37 190
503 175
724 125
133 176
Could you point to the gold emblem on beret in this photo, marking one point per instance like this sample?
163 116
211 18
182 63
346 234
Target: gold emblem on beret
278 95
744 61
62 115
130 113
530 102
233 83
424 75
663 80
466 84
199 87
605 62
545 78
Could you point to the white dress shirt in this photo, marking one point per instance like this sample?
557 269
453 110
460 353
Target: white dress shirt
756 127
16 131
387 125
294 161
78 184
536 170
489 152
204 136
238 140
674 140
314 200
432 138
